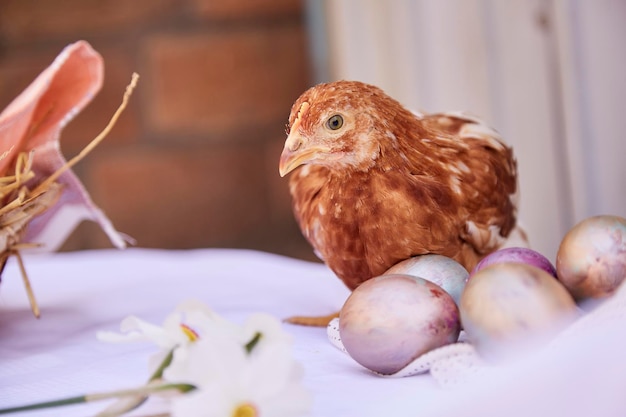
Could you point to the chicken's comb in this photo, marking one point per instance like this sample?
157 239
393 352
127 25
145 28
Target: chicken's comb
303 108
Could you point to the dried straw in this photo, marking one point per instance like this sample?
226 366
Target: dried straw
19 204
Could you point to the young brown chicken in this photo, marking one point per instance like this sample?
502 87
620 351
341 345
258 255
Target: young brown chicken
375 184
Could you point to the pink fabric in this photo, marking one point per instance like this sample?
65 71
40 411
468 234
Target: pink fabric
34 121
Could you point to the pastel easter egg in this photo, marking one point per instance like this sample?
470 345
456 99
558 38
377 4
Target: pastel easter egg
441 270
392 319
591 260
516 254
509 306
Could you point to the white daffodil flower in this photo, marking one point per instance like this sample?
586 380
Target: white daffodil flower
209 367
190 321
269 329
230 382
186 324
243 370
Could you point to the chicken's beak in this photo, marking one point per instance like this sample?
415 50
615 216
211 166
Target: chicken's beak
288 161
295 153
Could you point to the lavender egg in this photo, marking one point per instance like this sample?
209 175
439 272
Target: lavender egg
390 320
441 270
591 260
509 306
519 255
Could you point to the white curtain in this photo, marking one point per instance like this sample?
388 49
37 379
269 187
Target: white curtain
549 75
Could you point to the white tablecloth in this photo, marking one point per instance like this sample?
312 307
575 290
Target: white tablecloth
83 292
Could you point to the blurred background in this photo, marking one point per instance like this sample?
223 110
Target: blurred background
193 161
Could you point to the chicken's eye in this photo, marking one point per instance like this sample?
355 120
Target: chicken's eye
335 122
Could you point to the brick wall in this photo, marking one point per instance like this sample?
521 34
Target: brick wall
193 160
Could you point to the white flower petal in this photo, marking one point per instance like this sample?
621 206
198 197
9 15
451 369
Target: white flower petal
270 328
133 330
114 337
273 370
224 373
206 361
209 352
141 330
209 402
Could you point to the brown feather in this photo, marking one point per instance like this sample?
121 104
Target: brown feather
391 184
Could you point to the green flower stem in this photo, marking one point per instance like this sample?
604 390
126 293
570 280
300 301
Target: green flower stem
126 404
167 361
253 342
144 390
48 404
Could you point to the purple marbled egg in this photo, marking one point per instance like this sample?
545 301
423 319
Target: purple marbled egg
517 255
392 319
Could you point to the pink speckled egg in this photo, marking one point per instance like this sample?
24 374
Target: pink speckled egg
591 260
508 306
392 319
519 255
441 270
